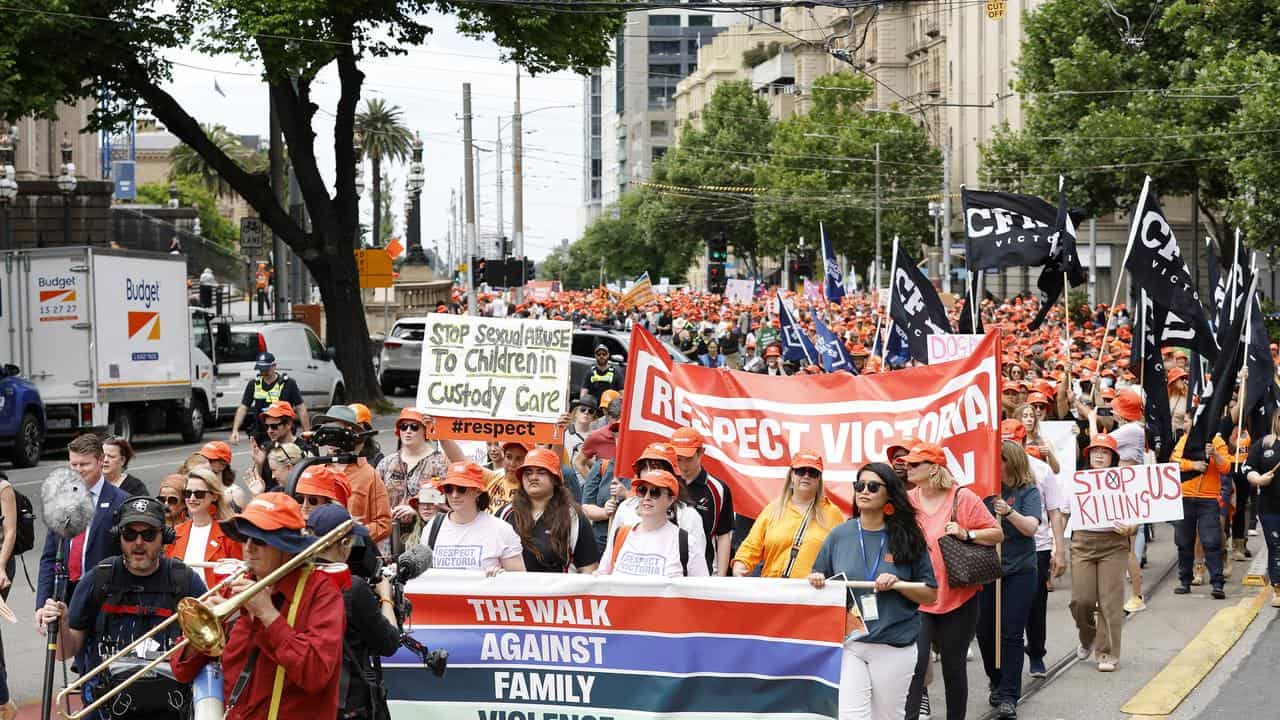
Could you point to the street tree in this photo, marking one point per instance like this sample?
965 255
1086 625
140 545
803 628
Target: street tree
186 162
121 54
383 137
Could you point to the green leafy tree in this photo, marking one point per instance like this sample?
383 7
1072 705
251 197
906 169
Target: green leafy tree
187 162
821 169
122 50
383 138
193 192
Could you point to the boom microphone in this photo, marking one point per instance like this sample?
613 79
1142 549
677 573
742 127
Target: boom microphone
66 506
413 562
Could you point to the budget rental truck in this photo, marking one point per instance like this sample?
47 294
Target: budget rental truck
109 339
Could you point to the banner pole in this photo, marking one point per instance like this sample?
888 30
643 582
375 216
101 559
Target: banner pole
999 606
1242 377
888 307
1115 294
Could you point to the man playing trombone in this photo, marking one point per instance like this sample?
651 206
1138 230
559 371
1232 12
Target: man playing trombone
122 599
284 654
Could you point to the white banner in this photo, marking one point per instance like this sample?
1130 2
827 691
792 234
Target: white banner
739 290
477 367
1132 495
943 347
1061 437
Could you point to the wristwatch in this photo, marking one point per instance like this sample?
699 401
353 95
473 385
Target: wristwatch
971 535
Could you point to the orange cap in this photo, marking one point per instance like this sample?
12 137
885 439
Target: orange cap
807 458
363 414
926 452
686 441
540 458
1037 398
216 450
1013 430
466 474
273 511
607 397
1176 374
773 351
325 481
1127 405
658 451
412 416
658 478
1103 440
903 445
279 409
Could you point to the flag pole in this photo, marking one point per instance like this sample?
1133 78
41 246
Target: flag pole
1243 376
888 308
1115 295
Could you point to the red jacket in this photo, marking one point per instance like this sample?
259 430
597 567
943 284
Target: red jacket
219 547
310 652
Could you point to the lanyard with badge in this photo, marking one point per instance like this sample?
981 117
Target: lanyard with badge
870 611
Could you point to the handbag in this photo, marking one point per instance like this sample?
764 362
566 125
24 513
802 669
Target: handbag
968 563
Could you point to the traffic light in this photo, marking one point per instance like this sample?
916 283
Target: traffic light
716 282
477 271
506 246
528 270
718 248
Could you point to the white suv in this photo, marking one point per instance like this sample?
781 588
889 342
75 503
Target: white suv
401 358
299 354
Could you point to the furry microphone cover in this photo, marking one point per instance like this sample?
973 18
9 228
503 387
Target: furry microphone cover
66 504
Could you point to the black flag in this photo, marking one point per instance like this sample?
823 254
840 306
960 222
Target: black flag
1218 389
1260 387
1063 259
1155 265
1146 362
914 304
1006 229
972 309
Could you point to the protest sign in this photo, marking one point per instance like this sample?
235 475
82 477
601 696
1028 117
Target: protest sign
1132 495
551 646
753 424
505 369
943 347
1060 435
740 291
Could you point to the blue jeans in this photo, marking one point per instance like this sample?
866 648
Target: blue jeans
1199 516
1271 533
1018 592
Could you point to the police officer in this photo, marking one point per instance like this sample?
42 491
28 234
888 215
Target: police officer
604 375
120 600
269 387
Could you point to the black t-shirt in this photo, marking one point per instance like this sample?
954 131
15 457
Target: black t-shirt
585 551
1264 456
368 634
713 524
132 485
290 393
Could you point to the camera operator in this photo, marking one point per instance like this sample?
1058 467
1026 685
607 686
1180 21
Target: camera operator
372 627
340 434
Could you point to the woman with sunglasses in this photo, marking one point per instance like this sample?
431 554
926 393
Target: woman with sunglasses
654 545
883 544
280 462
467 537
659 456
403 470
949 622
788 533
170 495
1019 506
320 485
554 531
428 503
116 454
200 539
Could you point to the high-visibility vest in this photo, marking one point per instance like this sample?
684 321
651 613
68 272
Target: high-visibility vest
262 396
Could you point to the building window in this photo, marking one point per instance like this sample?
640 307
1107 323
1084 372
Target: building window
699 20
595 189
662 97
658 152
658 128
597 167
691 68
665 20
595 125
664 72
664 47
693 47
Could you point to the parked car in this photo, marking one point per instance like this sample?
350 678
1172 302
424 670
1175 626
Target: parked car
401 358
299 354
619 344
22 421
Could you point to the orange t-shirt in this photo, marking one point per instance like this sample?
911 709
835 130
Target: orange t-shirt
971 514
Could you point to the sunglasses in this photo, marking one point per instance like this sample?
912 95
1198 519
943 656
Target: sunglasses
274 426
409 427
197 494
650 491
169 499
148 535
807 472
313 500
454 490
255 541
871 486
914 464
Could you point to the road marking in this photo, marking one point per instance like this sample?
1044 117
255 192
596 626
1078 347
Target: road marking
1184 672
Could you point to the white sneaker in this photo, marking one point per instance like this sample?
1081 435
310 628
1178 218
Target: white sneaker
1253 532
934 655
1106 663
1135 604
1083 652
968 654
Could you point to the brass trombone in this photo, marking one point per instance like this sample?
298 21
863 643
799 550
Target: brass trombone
202 627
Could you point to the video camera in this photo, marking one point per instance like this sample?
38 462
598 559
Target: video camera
411 564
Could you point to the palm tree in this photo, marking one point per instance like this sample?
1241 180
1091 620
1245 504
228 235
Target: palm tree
186 161
383 137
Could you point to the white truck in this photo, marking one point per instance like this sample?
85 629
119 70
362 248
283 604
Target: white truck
109 339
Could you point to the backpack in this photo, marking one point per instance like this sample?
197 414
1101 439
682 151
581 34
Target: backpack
620 537
26 535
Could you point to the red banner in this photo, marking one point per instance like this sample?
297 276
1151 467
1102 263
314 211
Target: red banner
753 423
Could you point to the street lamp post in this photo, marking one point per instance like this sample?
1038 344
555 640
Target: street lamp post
8 189
935 211
67 185
417 179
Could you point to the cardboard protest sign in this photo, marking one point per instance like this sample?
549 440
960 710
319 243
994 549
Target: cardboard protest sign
1132 495
944 347
566 646
496 369
752 424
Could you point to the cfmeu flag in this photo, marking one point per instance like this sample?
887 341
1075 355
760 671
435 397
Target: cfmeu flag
914 304
551 646
833 352
641 292
753 424
834 285
795 344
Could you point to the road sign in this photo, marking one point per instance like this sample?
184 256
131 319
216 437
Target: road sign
250 235
374 266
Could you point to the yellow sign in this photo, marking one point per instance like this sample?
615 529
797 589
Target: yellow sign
996 9
374 266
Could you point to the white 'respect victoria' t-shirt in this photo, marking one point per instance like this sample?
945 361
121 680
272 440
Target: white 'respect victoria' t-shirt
657 552
479 545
